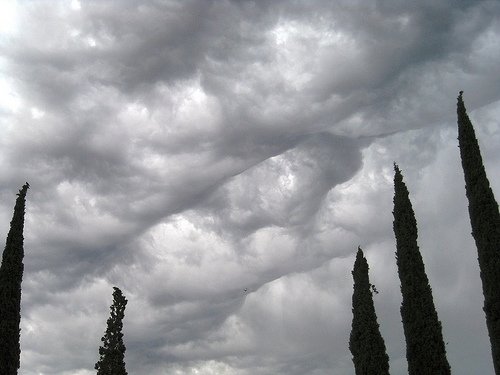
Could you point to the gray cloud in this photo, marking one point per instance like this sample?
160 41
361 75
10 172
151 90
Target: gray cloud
221 161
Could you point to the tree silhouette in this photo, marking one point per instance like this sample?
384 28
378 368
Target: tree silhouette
485 223
366 343
112 352
425 349
11 275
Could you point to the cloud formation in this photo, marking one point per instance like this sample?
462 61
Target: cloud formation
220 161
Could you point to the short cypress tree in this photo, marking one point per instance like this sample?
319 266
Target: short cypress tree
112 352
425 349
485 223
366 343
11 275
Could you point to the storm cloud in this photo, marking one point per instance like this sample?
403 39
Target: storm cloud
220 161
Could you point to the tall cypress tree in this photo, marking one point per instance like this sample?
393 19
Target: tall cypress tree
112 352
425 349
11 275
485 223
366 343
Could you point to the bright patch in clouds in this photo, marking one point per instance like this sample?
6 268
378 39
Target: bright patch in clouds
8 16
10 101
76 5
37 113
91 42
294 42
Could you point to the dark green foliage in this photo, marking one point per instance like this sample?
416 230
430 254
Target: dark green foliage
425 349
366 343
485 223
11 275
112 352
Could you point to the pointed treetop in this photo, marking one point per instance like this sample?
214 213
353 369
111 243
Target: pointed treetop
397 170
460 104
360 262
118 295
23 190
398 181
464 123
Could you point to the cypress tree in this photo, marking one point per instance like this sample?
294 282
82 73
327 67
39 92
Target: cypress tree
366 343
11 275
485 223
425 349
112 352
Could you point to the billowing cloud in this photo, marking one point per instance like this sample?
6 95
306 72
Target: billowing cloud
220 161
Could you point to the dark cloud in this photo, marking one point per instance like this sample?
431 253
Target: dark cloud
221 161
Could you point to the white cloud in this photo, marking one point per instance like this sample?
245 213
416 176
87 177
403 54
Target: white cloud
8 17
76 5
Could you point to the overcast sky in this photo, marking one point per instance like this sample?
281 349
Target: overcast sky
220 162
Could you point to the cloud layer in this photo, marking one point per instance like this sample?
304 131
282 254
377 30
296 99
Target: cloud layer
220 161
